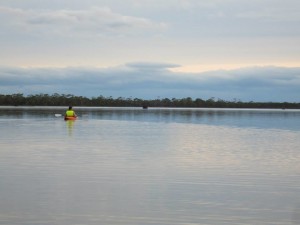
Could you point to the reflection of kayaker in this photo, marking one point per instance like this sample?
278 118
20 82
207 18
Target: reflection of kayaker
70 114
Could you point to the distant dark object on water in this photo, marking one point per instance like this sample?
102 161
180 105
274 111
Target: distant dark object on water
145 107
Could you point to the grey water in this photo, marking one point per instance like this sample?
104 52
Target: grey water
156 166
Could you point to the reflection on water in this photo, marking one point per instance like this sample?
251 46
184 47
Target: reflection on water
70 126
258 118
155 166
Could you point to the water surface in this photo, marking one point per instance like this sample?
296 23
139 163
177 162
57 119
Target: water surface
155 166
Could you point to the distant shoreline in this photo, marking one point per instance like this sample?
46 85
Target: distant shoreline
188 102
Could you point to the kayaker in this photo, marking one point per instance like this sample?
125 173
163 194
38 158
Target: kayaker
70 112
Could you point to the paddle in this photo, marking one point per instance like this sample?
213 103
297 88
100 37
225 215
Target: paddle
59 115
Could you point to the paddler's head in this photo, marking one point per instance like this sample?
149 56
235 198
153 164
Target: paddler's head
70 107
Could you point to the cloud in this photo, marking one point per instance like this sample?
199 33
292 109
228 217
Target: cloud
257 83
190 32
186 32
275 11
152 66
95 20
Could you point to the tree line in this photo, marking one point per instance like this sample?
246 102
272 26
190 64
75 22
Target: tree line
69 99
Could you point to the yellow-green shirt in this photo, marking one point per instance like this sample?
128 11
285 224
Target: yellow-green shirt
70 113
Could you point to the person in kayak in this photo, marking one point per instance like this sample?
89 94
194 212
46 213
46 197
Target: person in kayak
70 112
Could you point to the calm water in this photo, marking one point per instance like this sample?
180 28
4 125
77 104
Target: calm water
156 166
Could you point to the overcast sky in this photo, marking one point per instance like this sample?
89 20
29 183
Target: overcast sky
228 49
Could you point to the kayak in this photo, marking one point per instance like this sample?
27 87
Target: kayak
70 117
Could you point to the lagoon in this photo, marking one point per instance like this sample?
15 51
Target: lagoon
132 166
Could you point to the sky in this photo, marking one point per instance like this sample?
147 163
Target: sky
227 49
